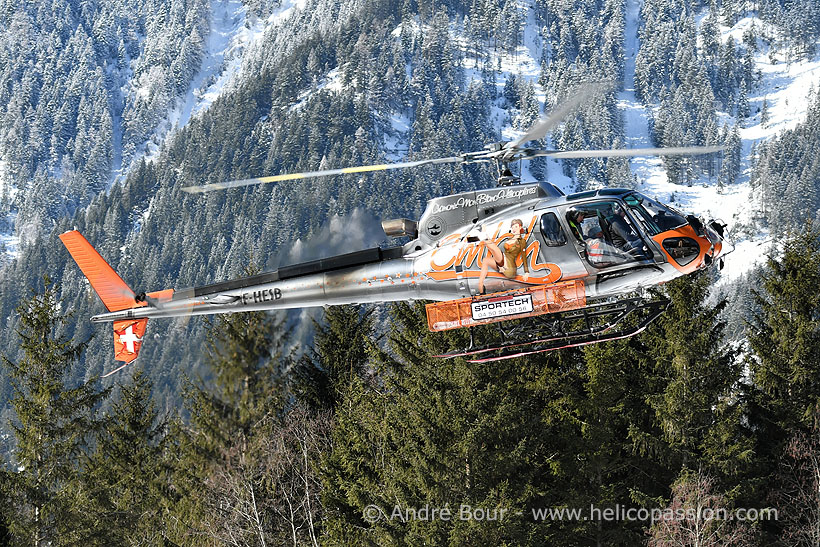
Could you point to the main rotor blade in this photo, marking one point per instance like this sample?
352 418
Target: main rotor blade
577 96
324 173
627 152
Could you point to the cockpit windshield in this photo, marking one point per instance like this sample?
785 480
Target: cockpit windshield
655 217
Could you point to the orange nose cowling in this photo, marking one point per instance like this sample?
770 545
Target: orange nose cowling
689 232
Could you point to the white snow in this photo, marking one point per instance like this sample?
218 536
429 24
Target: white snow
4 182
332 81
634 112
233 33
785 87
396 141
747 254
10 244
227 39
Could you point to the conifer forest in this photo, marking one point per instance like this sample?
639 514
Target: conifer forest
337 425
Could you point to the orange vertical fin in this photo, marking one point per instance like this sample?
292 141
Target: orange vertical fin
114 293
109 286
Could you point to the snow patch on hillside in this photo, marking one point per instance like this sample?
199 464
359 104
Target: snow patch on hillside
233 33
227 39
396 142
5 183
634 112
332 81
9 243
524 63
785 87
9 247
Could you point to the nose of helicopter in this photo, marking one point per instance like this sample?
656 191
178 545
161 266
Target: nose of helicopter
695 245
712 240
714 231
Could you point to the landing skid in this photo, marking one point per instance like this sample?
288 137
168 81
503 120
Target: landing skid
553 331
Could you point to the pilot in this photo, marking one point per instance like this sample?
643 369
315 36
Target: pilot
575 218
623 236
504 261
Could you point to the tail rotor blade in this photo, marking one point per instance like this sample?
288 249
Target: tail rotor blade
186 294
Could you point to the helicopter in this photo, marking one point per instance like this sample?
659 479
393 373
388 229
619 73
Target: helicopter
582 255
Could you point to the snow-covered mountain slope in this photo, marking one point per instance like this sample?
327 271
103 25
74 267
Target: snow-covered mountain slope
8 241
238 46
234 34
785 87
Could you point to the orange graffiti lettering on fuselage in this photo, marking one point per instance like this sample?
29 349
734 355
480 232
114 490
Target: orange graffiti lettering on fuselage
449 264
531 226
467 255
471 255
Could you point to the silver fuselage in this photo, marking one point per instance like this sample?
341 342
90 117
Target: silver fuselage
442 263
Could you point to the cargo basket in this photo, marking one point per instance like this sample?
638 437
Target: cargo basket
492 308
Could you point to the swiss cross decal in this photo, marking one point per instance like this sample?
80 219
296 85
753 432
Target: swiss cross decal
128 338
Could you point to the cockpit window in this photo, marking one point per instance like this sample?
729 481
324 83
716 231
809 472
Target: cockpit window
551 230
655 217
607 234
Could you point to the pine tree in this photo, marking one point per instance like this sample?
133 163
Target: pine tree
730 168
421 433
126 476
743 109
5 510
246 357
784 337
228 418
697 375
54 421
601 406
339 356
